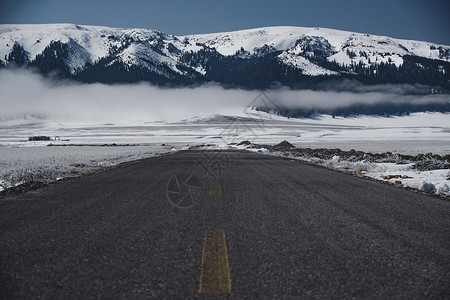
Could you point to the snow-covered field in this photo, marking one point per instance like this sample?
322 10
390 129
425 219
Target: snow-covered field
413 134
22 160
47 164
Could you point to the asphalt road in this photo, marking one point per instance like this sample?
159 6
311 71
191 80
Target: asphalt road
291 231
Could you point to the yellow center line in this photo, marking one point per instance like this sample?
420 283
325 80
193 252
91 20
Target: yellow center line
215 275
215 190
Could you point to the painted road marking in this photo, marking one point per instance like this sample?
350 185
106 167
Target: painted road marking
215 190
215 271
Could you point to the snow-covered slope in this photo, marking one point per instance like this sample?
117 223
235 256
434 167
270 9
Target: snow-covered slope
307 50
286 37
88 44
92 41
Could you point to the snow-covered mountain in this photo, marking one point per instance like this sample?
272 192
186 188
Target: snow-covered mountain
259 57
301 41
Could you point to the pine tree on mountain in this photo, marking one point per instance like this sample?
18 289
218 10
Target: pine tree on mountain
18 56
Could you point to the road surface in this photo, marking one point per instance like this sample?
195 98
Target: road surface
223 224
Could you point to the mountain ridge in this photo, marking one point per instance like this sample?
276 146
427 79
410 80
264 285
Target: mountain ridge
299 57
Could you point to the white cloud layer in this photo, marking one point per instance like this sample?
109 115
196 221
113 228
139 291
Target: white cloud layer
25 93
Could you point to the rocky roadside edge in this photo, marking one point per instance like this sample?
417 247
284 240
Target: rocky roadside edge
421 162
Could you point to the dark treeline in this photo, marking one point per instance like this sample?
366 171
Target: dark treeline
380 109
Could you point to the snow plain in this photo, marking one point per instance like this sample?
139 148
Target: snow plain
413 134
22 160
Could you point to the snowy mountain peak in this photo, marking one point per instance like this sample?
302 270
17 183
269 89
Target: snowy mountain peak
290 53
285 37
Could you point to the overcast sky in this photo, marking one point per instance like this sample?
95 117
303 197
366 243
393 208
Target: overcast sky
426 20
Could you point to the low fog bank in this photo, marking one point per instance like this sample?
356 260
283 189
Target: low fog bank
370 100
27 93
24 93
354 86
